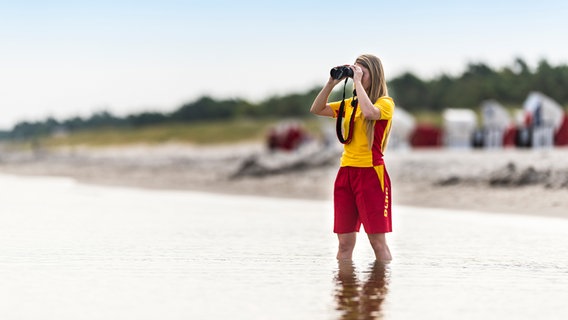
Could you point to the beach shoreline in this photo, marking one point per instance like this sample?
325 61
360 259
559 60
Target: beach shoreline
506 181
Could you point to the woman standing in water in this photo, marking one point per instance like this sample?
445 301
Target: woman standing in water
362 192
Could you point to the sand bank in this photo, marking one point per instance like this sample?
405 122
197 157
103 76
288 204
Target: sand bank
517 181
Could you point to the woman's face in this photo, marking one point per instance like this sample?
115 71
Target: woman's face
366 80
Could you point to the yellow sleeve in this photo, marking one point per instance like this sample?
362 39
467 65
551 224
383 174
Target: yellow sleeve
386 105
335 106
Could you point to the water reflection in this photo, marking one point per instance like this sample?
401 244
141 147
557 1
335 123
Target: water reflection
361 299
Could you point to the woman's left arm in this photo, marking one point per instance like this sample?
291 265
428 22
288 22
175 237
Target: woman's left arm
370 112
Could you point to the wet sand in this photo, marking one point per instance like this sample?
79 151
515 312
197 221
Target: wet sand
508 181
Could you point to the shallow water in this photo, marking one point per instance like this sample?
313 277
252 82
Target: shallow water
71 251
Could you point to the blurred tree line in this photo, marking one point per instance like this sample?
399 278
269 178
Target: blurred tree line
202 109
509 85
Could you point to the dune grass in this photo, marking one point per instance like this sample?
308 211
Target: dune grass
210 132
429 117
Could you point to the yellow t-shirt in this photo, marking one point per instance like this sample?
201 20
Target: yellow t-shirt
357 153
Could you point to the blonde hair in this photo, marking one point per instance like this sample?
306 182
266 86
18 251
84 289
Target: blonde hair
376 90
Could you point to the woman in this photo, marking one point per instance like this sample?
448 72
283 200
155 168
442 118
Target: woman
362 193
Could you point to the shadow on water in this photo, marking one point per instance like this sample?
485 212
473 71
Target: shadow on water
361 298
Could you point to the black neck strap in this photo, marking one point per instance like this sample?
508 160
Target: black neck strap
341 113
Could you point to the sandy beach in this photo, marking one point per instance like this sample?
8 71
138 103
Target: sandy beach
508 181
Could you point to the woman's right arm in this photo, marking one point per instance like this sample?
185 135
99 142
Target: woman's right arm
320 106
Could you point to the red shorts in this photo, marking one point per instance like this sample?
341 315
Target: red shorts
362 195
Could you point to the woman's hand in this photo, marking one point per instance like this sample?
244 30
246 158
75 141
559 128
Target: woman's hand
357 73
333 82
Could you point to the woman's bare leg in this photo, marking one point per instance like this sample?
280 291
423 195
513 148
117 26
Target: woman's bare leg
346 245
379 244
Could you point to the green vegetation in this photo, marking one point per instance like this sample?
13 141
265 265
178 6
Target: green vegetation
207 120
429 117
203 132
509 85
200 133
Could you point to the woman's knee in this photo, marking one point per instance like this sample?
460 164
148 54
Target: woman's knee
346 242
378 241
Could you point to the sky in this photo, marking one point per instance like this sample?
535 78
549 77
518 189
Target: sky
64 59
